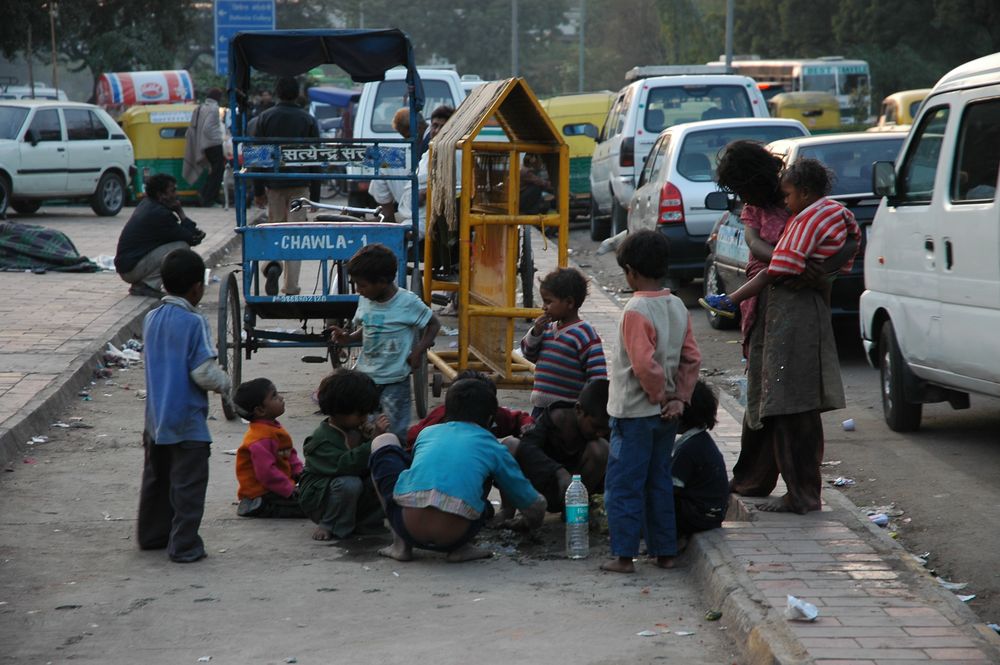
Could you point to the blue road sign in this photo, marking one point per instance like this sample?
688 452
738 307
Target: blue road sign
232 16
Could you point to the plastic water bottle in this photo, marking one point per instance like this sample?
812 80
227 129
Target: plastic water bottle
577 520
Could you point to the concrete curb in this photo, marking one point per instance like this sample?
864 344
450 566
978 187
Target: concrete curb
37 414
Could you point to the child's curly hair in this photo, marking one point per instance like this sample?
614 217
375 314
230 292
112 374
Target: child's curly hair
748 170
373 263
347 391
566 283
809 175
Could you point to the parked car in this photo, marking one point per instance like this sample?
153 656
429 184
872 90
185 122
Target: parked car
850 157
62 150
655 99
680 172
931 307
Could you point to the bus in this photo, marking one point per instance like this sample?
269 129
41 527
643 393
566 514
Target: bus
848 80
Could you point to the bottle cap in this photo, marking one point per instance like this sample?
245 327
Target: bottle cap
576 476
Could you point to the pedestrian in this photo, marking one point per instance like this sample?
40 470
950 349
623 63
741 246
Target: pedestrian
566 350
653 372
394 197
267 466
181 368
387 320
437 498
569 438
698 470
286 119
203 148
788 383
156 227
336 490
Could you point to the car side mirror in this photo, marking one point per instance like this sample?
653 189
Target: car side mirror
31 137
884 179
720 201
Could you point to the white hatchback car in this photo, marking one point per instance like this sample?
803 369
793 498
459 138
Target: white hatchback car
52 149
677 176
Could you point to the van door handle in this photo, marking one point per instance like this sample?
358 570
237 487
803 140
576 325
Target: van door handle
948 254
107 147
929 256
60 149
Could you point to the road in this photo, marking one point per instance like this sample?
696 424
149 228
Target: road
941 480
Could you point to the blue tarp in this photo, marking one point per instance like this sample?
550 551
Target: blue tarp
341 97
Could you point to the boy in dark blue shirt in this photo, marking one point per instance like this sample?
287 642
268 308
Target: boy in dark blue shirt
181 368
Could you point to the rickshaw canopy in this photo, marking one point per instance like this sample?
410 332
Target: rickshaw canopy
340 97
365 55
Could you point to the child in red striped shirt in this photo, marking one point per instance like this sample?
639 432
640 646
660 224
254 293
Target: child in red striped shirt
818 230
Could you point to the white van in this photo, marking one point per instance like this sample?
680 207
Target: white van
931 309
657 98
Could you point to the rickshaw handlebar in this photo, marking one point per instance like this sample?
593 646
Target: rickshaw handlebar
298 204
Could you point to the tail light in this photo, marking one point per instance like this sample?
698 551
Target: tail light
626 157
671 205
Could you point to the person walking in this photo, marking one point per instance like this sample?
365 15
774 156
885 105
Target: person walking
203 148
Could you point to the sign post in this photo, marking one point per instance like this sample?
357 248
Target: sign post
232 16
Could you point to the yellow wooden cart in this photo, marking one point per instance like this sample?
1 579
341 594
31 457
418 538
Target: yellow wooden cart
477 233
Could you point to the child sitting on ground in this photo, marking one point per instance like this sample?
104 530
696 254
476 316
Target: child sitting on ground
566 350
568 438
387 319
436 499
335 490
266 463
819 230
701 485
653 373
506 422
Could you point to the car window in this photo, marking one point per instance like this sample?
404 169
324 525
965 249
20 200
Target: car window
889 111
671 105
916 174
851 161
974 176
391 96
623 111
659 162
915 107
608 130
700 150
11 120
84 125
46 125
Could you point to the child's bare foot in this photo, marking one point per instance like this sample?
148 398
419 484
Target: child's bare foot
322 533
399 551
667 562
467 553
783 505
622 564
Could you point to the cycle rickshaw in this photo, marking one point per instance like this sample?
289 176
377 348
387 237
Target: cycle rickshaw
326 244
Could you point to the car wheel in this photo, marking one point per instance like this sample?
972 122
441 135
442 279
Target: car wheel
110 195
600 227
26 207
713 286
4 195
900 415
619 217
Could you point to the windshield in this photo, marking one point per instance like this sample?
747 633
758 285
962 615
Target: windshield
389 99
820 83
851 162
700 151
11 119
667 106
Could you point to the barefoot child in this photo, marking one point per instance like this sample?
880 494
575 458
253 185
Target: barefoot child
653 372
566 350
818 231
436 499
335 490
266 463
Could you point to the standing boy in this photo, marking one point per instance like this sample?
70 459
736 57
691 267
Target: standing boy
180 370
654 370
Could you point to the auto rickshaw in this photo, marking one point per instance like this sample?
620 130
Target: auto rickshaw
899 109
157 136
818 111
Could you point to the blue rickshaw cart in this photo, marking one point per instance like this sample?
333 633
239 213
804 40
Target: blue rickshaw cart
331 240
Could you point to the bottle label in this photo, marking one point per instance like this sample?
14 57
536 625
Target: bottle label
577 514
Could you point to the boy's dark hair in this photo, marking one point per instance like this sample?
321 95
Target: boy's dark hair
702 410
646 252
748 170
347 391
251 394
287 89
373 263
470 401
158 183
444 112
181 269
593 399
214 93
809 175
566 283
478 376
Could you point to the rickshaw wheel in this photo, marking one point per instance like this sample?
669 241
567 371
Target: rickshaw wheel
229 336
526 269
438 384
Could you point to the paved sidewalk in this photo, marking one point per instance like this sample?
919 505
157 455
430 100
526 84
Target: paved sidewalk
877 606
57 325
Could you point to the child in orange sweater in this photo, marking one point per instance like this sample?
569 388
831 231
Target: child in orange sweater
266 463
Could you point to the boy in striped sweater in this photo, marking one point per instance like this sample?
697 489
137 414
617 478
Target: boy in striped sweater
818 230
566 350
